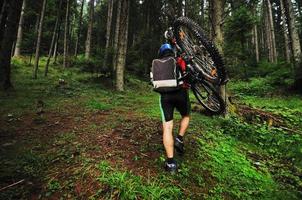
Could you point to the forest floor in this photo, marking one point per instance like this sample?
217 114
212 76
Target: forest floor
79 139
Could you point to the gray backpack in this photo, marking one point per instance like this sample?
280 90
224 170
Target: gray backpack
165 75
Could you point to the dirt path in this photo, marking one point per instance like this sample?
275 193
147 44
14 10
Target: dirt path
64 139
57 152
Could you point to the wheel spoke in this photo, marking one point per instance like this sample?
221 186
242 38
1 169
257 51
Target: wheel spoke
207 97
200 93
201 58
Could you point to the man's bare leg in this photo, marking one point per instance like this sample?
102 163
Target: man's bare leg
184 124
179 144
168 139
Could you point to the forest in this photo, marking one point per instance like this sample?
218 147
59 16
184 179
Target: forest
79 118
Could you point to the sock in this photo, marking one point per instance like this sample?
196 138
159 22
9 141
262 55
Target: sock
170 160
180 138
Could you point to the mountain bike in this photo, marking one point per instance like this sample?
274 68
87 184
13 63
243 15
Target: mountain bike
205 67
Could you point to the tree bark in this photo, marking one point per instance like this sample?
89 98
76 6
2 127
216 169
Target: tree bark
294 37
37 55
261 39
9 35
2 4
55 51
53 37
66 36
185 7
179 8
272 32
20 31
285 33
256 44
89 31
147 12
35 34
299 5
295 43
217 13
108 31
268 32
79 29
202 13
72 21
3 17
299 8
123 40
217 16
255 36
13 49
116 36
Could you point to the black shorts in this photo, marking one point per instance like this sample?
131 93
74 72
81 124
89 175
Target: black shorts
179 100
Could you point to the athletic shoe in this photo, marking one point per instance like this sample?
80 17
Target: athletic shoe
171 167
179 146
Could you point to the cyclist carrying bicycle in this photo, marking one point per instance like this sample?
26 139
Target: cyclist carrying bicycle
165 74
188 56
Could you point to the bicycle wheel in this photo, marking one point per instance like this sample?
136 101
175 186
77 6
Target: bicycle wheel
205 56
208 97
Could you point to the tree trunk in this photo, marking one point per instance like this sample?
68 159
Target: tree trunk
13 49
9 35
202 13
108 32
72 22
3 17
256 44
66 36
262 42
179 8
116 36
255 36
217 16
261 39
20 32
272 31
37 55
295 43
3 5
185 7
147 23
35 34
55 51
217 13
2 8
285 33
123 41
89 31
268 32
294 37
53 38
79 29
299 5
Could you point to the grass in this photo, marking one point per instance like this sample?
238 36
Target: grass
259 93
235 174
227 158
124 185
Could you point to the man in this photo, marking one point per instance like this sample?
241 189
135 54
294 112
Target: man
179 99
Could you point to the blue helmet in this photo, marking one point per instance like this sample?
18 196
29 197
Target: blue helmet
165 48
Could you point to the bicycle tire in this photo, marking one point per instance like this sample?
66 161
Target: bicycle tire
196 30
212 101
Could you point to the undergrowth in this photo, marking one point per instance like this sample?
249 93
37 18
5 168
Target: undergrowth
226 158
